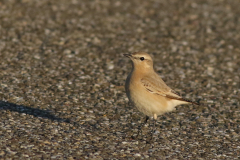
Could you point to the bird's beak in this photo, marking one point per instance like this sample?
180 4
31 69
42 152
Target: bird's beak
127 55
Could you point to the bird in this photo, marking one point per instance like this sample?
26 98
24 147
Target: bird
147 91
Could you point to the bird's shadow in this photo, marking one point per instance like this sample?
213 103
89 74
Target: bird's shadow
46 114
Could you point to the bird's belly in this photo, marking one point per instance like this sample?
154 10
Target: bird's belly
149 103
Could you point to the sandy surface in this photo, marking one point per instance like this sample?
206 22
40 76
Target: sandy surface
62 72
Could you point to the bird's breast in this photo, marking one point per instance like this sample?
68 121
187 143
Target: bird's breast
146 102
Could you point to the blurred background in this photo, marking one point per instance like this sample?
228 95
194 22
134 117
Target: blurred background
62 75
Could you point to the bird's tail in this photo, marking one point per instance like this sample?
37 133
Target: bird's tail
183 99
187 100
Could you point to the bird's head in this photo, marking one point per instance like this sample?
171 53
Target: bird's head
141 60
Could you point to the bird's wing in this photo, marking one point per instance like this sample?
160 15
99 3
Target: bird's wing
156 85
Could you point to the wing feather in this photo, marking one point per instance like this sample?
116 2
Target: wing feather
157 86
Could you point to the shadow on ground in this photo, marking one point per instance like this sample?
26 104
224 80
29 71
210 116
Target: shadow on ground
46 114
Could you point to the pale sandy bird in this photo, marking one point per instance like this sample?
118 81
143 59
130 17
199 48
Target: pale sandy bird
147 91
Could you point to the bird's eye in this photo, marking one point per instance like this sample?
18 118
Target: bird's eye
142 58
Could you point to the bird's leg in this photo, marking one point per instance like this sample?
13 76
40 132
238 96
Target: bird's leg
154 128
140 127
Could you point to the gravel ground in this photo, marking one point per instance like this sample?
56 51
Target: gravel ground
62 75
